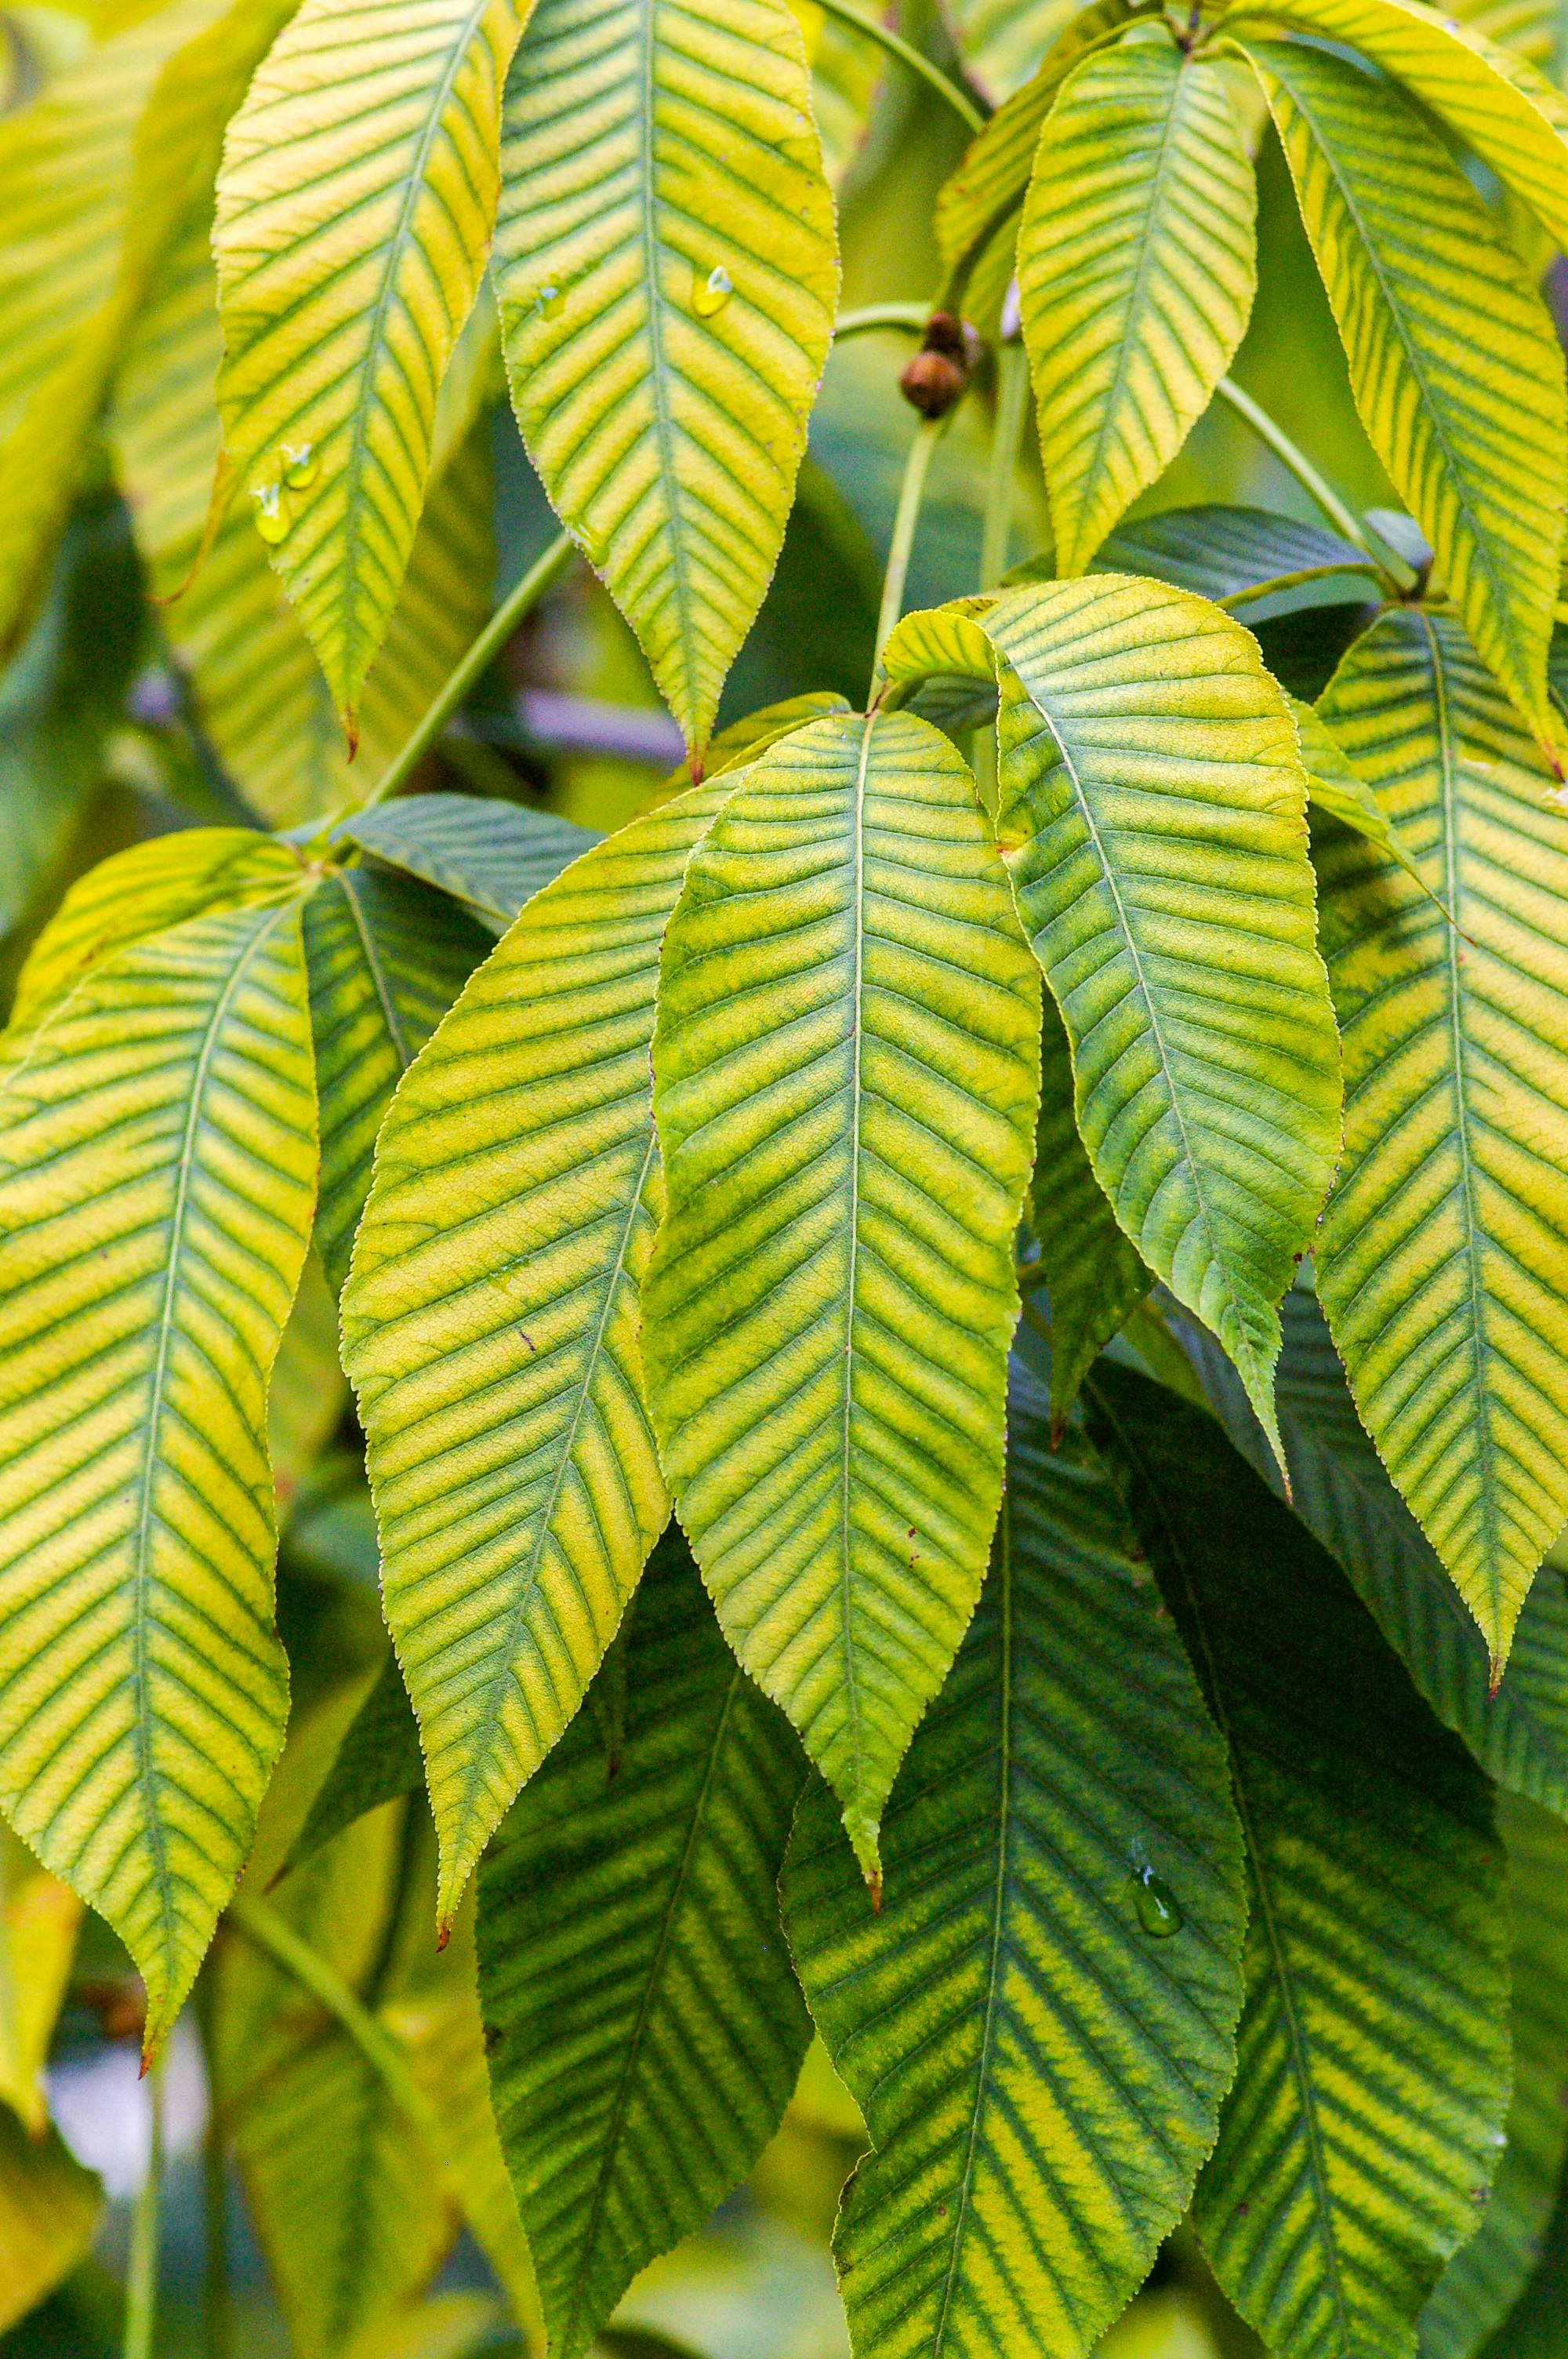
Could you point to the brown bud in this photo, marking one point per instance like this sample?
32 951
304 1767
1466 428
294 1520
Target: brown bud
939 374
931 384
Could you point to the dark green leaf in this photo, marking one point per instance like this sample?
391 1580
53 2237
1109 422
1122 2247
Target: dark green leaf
378 1761
491 855
1223 552
1039 2022
644 2026
1373 2054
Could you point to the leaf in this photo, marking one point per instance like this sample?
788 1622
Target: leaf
492 856
157 1161
667 275
1534 2328
391 115
378 1761
644 2026
62 694
1221 552
49 2213
1499 107
1136 271
979 200
149 889
38 1922
1001 43
1203 1041
349 2204
386 958
1346 2170
1040 2073
1340 791
256 688
845 75
1486 2277
1454 361
1442 1260
1094 1276
309 1392
844 1081
489 1327
1343 1493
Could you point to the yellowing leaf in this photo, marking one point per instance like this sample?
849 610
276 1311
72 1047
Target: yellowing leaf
489 1326
846 72
846 1079
386 116
1136 272
1442 1259
38 1922
157 1168
1153 799
48 2211
1453 361
667 274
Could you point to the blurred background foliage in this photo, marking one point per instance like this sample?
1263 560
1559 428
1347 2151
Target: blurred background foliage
123 717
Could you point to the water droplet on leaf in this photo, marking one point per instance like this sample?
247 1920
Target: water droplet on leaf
714 292
301 464
271 521
550 301
1158 1911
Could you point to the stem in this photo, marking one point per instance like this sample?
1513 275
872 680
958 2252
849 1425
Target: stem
1300 466
897 47
544 571
141 2280
217 2315
1011 407
912 315
1271 587
260 1923
927 434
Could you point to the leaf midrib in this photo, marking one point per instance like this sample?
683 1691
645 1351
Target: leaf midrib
846 1577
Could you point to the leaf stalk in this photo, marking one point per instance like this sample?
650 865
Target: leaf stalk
897 47
1296 460
911 491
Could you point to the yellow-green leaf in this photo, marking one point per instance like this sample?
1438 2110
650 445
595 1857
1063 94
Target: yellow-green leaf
1136 273
1443 1258
489 1326
845 1070
667 275
157 1171
1002 43
1453 361
1154 806
846 72
48 2211
38 1922
1335 787
386 116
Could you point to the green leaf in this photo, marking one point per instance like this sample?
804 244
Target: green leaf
1442 1260
845 76
1154 808
1453 361
158 1170
391 118
978 204
492 856
1340 791
1487 2276
1039 2070
386 958
667 274
489 1326
308 1392
845 1077
62 694
1222 552
1094 1276
1534 2328
1495 103
644 2027
1136 272
48 2215
1003 42
1342 1492
378 1761
1347 2165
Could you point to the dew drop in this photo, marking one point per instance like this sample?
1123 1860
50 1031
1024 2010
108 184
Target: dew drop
271 522
550 302
1156 1904
301 464
714 293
